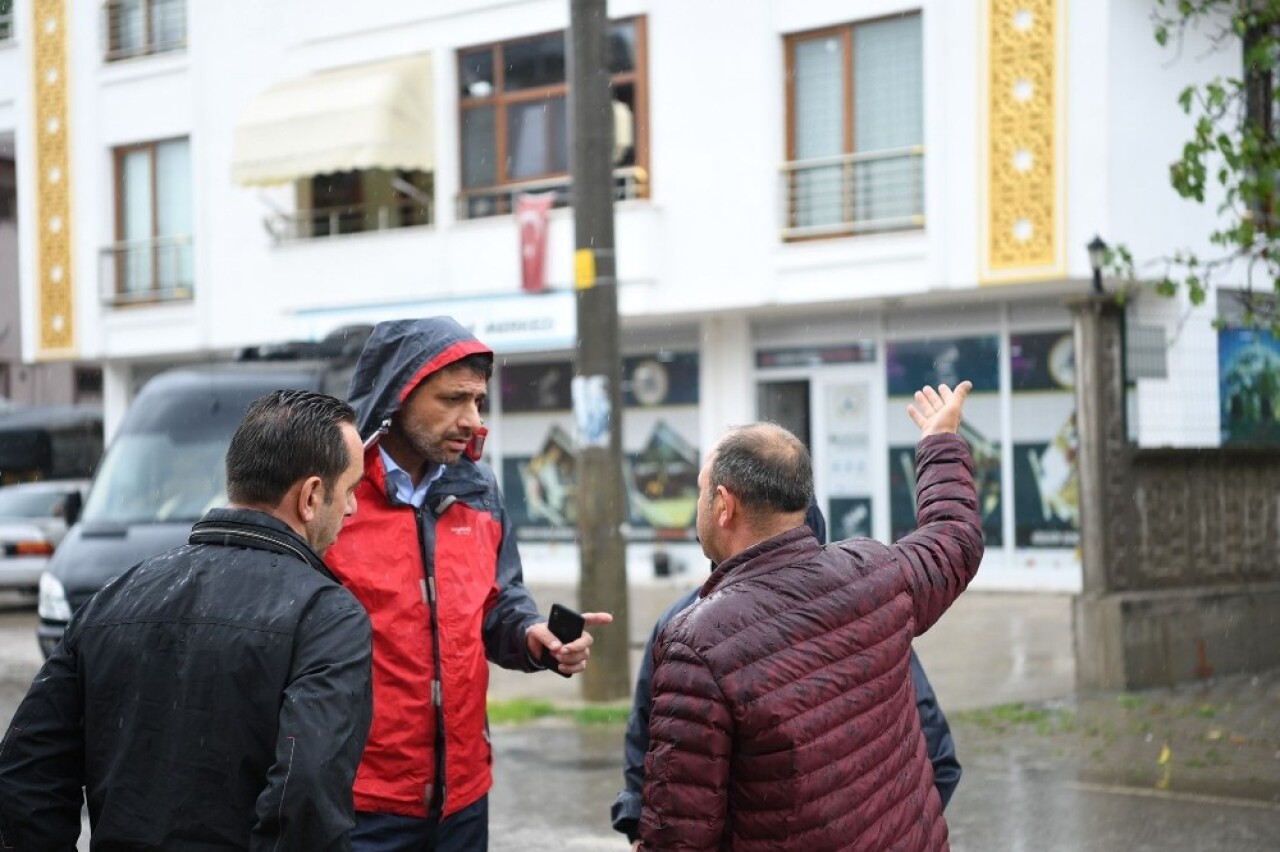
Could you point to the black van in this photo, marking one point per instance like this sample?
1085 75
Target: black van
49 442
165 467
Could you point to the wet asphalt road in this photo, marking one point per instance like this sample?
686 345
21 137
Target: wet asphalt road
554 782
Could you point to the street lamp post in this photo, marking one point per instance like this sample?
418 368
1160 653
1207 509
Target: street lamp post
1097 256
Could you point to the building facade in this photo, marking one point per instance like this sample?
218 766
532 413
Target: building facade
819 209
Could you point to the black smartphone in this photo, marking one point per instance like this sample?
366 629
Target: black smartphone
566 625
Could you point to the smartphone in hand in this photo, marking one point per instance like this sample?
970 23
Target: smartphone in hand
566 625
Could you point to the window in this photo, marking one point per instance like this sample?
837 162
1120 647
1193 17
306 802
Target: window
152 258
855 129
141 27
87 384
515 119
352 202
6 20
8 184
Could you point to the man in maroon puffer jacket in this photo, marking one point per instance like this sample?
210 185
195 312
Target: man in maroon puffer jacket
784 715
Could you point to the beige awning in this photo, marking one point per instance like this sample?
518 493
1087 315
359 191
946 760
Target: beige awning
375 116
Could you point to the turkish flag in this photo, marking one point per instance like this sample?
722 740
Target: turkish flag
531 217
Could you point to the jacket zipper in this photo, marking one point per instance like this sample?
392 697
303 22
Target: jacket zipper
434 797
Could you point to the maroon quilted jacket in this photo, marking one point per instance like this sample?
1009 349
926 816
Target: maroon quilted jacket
784 715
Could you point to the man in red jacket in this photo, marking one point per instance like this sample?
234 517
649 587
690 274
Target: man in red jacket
433 558
784 714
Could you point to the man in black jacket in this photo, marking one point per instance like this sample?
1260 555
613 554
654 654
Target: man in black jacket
625 812
216 696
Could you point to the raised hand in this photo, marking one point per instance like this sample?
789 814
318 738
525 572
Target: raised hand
938 411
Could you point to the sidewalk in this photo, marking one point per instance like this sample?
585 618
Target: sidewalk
991 648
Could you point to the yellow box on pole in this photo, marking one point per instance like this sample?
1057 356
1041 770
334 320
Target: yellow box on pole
584 268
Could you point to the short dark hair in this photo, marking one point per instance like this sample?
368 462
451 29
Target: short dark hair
285 436
480 363
764 466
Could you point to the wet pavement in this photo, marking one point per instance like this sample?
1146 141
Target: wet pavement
1177 770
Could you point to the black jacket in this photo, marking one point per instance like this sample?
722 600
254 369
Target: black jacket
214 697
626 807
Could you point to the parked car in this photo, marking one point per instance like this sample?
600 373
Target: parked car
32 524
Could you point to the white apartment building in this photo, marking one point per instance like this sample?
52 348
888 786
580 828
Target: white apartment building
821 206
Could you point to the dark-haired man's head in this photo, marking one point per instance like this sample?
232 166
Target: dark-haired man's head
440 416
757 483
297 455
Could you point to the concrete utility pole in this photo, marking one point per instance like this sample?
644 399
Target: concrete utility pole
597 395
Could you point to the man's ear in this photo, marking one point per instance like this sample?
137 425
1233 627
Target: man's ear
310 496
728 506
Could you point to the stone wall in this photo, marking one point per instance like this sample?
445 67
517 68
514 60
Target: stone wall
1181 547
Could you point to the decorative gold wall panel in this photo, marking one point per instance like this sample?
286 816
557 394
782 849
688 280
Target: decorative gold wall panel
1023 141
50 94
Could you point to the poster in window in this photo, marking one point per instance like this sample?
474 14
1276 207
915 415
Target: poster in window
1043 361
541 490
648 381
1046 491
913 364
848 517
1046 506
986 474
542 386
848 456
664 378
660 480
1248 386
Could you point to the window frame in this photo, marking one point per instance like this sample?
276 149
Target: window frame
148 45
845 31
119 296
501 100
9 25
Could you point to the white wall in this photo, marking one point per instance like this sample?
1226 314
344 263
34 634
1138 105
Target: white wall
706 244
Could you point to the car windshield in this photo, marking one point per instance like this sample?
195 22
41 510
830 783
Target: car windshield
18 502
147 478
168 462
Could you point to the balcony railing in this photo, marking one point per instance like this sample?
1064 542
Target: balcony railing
142 27
853 193
143 271
628 183
6 22
348 219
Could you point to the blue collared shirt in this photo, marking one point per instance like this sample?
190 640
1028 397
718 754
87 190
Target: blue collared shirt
400 484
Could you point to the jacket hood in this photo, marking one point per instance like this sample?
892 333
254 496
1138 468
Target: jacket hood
398 355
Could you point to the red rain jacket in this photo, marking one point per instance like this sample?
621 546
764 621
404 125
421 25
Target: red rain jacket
444 591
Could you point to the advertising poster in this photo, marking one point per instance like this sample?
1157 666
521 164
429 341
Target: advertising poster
848 517
1045 441
912 364
916 363
647 381
660 457
1248 386
847 407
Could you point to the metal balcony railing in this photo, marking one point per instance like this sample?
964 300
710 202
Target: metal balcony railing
142 27
853 193
138 271
628 183
348 219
